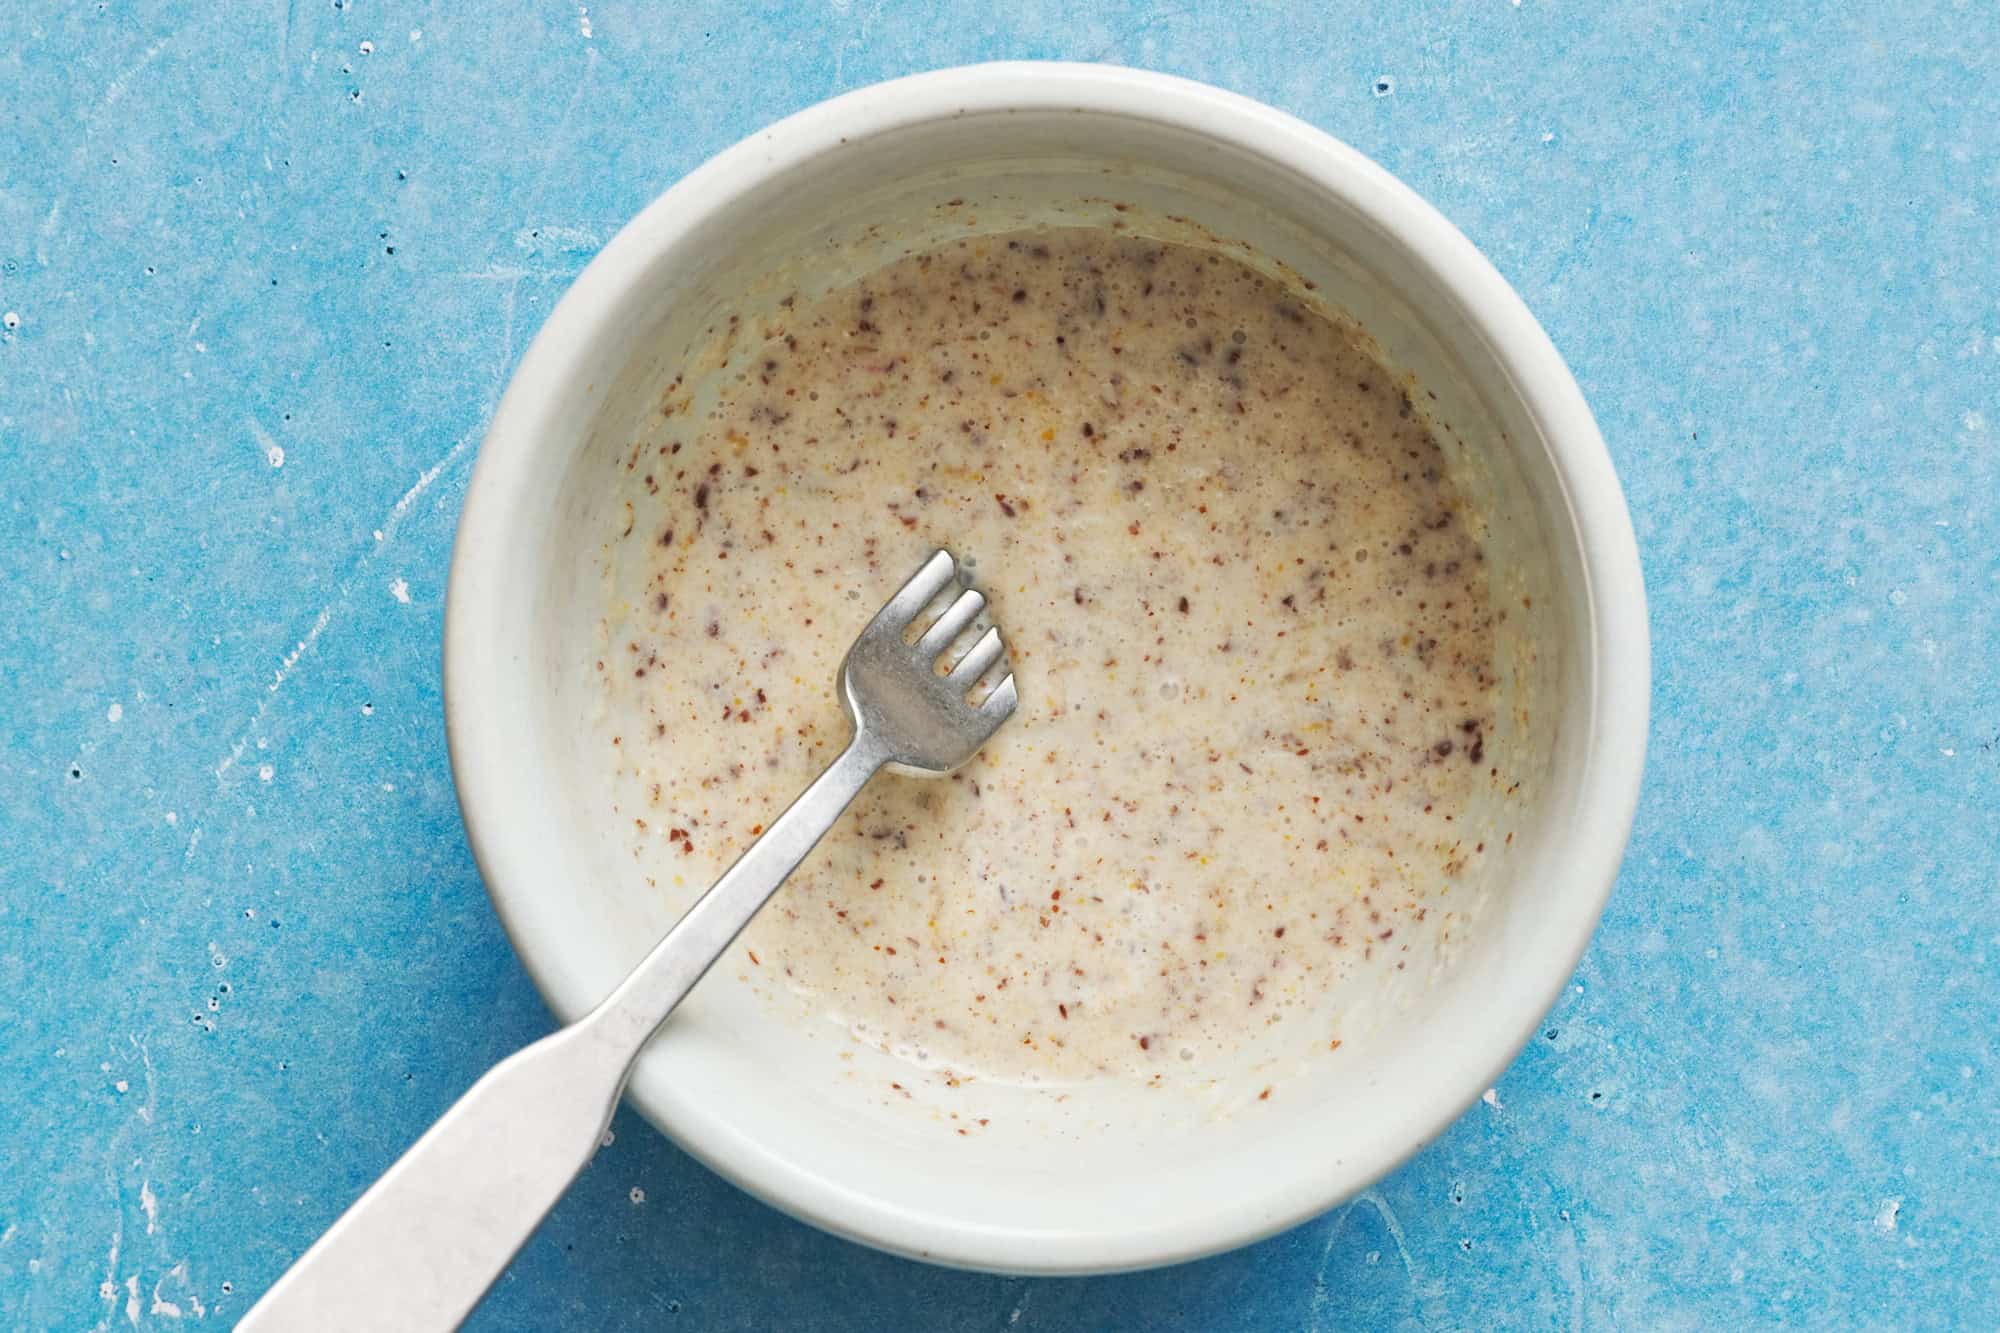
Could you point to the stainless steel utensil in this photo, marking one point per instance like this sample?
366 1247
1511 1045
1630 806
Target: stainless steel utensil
422 1245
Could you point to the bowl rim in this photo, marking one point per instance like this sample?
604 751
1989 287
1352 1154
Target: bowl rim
1619 650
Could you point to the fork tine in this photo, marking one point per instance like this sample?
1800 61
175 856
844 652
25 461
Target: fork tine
948 626
977 659
915 595
999 705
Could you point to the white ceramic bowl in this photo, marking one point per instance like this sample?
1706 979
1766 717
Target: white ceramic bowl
1107 1177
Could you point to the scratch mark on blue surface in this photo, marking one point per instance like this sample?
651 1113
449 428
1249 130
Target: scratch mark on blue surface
1569 1263
121 83
246 733
1025 1293
1577 247
277 682
512 273
152 1102
1338 1226
1122 44
429 475
506 337
107 1290
859 35
1334 1230
1395 1226
557 139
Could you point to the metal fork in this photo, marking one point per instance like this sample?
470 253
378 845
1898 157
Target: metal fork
419 1249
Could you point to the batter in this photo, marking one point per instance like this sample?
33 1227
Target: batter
1248 616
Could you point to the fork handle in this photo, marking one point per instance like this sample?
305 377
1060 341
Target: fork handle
418 1250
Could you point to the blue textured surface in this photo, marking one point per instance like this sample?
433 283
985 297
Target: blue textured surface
244 955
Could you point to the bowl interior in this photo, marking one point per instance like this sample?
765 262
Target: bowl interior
1088 1176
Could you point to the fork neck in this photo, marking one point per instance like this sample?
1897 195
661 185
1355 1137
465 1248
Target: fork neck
629 1015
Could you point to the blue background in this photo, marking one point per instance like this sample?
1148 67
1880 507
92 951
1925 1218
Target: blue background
244 955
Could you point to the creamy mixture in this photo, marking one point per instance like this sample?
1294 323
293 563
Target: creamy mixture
1248 617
